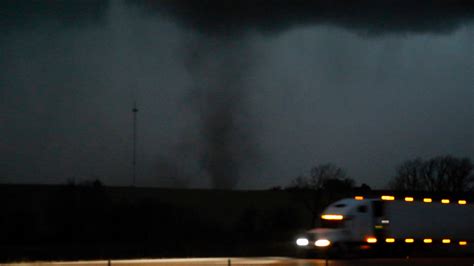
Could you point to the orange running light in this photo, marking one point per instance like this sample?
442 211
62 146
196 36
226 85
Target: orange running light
371 240
332 217
386 197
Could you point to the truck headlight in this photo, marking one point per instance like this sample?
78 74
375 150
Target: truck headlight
302 242
322 243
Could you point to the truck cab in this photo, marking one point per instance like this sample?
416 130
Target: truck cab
343 224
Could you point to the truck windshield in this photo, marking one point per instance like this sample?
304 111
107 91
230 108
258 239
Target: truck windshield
332 223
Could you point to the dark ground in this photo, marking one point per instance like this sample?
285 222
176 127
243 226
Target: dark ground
91 221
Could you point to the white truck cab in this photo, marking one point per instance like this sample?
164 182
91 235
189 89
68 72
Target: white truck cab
347 221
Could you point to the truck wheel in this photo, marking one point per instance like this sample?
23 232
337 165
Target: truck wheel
338 251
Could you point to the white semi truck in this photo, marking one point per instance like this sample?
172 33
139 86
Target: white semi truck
358 223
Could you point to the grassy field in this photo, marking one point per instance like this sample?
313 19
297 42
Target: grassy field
95 221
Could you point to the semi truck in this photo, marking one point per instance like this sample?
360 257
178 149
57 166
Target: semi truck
355 224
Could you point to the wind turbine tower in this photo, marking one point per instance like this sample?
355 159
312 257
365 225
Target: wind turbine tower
134 158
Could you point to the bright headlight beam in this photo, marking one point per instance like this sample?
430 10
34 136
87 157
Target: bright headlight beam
302 242
322 243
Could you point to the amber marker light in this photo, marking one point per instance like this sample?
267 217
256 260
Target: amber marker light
446 241
462 243
427 200
332 217
386 197
445 201
428 240
359 197
371 240
390 240
409 240
462 202
409 199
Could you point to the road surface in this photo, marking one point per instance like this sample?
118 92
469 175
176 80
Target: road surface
263 261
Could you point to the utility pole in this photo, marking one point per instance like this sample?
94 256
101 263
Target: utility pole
134 159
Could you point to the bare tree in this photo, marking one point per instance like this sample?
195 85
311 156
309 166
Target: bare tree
322 178
408 176
428 170
459 176
442 173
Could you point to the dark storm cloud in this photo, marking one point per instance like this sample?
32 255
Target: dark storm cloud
44 85
367 17
58 75
29 14
212 79
231 21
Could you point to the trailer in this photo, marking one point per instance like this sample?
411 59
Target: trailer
364 224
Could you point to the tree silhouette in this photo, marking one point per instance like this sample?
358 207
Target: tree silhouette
438 174
323 178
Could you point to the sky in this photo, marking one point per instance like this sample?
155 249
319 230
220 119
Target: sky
231 94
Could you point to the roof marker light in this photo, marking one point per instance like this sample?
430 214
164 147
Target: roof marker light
446 241
332 217
428 240
359 197
371 240
462 202
462 243
427 200
409 199
409 240
445 201
386 197
390 240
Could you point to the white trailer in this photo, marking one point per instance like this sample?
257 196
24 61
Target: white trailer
386 221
